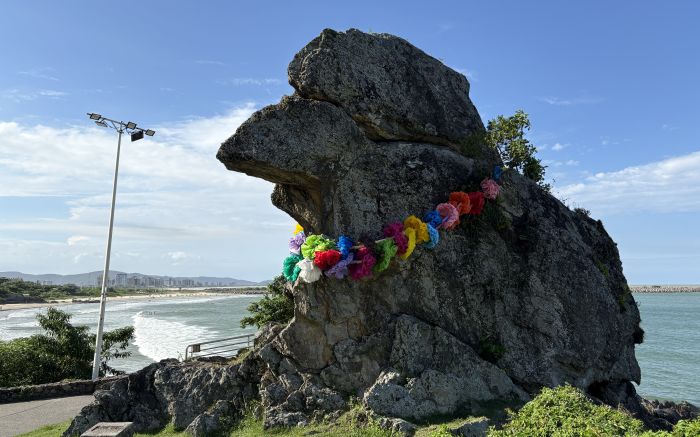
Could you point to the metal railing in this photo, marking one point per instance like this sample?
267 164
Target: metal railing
220 348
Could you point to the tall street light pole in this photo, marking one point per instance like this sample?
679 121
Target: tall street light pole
136 134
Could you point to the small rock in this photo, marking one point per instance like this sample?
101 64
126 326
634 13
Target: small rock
473 428
399 426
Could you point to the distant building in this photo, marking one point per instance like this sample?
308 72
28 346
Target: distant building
120 280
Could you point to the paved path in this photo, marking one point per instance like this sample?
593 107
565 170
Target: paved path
21 417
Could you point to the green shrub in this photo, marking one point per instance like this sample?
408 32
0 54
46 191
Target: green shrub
276 306
490 351
506 135
61 351
566 411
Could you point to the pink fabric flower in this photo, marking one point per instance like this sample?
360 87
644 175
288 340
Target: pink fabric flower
490 188
364 267
449 214
395 231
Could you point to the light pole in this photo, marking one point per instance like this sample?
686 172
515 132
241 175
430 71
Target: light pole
136 134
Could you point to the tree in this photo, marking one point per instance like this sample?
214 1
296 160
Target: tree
276 306
507 136
61 351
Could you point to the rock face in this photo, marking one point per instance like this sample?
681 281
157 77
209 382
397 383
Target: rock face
193 395
529 294
389 87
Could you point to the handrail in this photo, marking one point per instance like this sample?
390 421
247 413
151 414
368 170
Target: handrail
219 346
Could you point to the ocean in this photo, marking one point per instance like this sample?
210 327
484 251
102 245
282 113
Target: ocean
669 356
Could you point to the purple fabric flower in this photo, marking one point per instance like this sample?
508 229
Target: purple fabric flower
295 243
340 270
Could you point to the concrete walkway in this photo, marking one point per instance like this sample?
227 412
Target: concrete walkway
20 417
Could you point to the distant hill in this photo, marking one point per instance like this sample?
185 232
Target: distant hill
91 278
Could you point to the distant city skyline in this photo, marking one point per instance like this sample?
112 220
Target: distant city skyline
133 279
611 89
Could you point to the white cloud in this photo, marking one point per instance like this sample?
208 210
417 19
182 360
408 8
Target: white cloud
243 81
472 75
19 96
558 146
75 239
40 73
671 185
558 101
173 196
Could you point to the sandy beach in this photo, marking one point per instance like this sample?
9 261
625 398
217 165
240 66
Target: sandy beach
152 296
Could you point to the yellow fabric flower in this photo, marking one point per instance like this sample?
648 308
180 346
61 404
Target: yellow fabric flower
298 229
420 229
410 233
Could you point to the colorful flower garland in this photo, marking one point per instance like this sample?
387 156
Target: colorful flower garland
315 255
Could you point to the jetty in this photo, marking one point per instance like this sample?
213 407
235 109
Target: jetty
665 288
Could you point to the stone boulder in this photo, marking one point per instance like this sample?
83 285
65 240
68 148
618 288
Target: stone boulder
526 295
201 395
390 88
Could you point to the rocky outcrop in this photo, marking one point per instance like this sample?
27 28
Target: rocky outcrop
391 89
198 395
529 294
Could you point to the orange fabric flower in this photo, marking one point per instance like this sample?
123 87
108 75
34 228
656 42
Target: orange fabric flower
461 201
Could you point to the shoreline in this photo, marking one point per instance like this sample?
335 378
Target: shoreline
149 296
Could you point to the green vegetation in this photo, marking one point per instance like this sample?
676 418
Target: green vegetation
490 351
55 430
276 306
61 351
566 411
507 136
18 291
603 268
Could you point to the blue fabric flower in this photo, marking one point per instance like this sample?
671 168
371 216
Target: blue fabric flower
497 171
344 245
433 218
434 237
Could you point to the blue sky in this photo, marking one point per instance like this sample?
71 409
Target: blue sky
611 89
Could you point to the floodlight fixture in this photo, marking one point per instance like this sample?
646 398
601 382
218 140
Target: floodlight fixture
94 116
131 125
137 135
150 132
101 123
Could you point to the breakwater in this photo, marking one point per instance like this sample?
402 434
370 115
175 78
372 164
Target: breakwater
665 288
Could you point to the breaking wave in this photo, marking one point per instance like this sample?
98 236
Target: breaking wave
159 339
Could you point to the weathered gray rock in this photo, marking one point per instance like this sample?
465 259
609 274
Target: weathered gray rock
174 392
473 428
439 376
391 89
398 426
220 417
528 294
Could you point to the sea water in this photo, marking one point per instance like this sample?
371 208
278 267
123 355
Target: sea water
163 327
669 357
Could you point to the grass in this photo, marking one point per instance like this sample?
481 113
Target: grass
54 430
559 412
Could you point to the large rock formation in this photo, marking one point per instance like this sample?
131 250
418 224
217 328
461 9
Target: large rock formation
529 294
200 396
